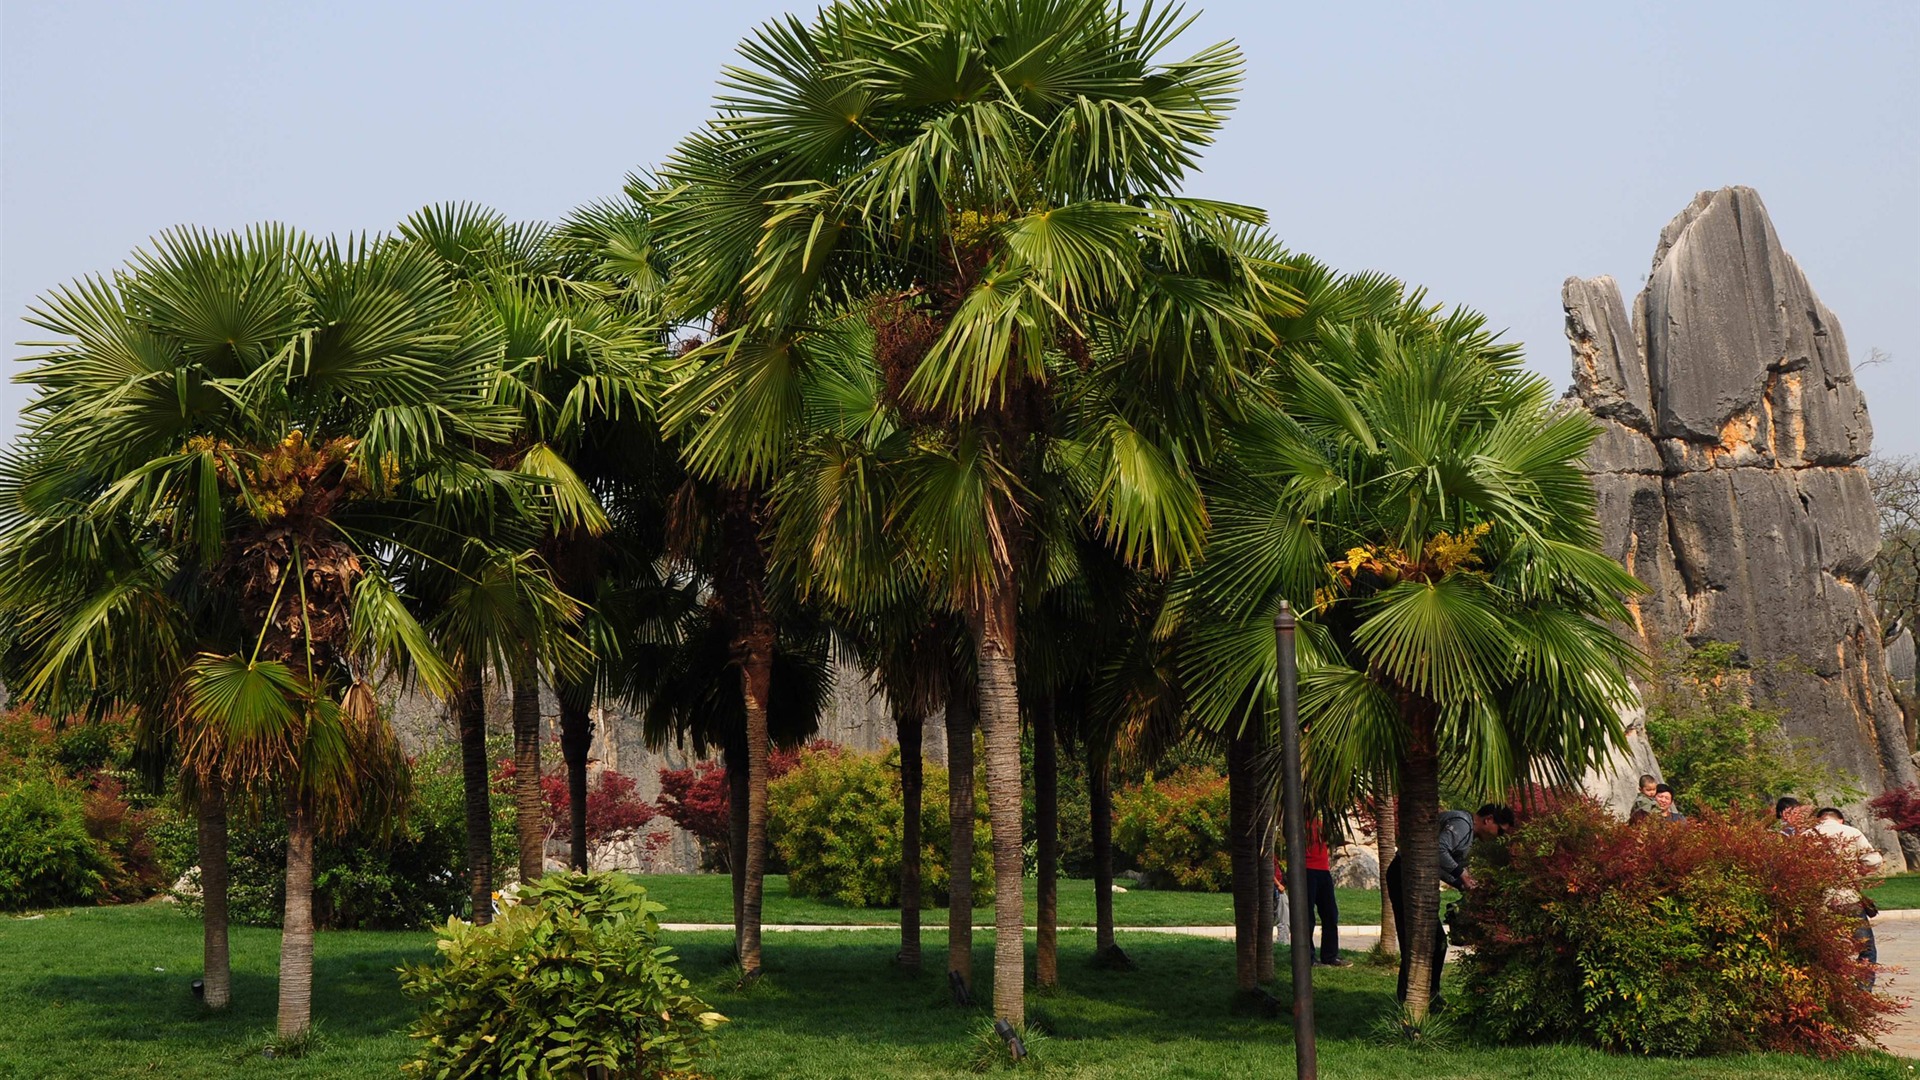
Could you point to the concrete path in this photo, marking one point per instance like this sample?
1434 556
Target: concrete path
1897 933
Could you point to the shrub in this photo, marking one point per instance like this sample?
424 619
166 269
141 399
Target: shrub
696 799
1175 830
127 833
47 859
411 875
835 821
571 979
1688 939
615 810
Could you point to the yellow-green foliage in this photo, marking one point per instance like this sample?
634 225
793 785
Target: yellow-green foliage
1176 829
571 980
835 821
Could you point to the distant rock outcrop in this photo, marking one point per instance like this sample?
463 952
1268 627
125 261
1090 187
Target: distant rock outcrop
1729 475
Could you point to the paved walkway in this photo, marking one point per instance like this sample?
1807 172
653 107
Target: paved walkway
1896 932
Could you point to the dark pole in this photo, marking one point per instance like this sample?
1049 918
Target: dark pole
1305 1054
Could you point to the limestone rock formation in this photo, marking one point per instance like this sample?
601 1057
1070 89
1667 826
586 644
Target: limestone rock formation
1729 475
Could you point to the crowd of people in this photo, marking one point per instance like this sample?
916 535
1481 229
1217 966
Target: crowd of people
1459 829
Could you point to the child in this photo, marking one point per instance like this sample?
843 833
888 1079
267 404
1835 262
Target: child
1643 803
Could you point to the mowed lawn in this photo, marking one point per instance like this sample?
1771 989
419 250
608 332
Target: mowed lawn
103 993
708 898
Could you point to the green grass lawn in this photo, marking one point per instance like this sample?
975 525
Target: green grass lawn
80 996
1897 891
708 898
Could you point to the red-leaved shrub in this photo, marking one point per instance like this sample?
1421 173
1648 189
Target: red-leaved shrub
1712 935
1899 807
695 798
615 810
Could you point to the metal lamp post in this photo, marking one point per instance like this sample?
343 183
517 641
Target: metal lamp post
1305 1054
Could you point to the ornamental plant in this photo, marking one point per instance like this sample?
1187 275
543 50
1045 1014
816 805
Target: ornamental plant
696 798
572 981
835 821
1176 829
1716 936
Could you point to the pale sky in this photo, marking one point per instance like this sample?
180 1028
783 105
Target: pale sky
1485 151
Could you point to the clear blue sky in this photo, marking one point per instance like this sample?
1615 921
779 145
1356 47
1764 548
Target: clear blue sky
1486 151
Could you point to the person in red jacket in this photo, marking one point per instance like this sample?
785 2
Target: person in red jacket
1323 907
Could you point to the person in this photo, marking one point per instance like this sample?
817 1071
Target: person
1644 803
1458 829
1322 906
1282 918
1831 823
1664 808
1787 815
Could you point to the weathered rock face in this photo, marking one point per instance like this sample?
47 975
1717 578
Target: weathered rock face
1729 480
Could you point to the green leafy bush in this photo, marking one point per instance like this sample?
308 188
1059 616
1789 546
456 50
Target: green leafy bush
1175 830
1719 746
835 821
47 858
1717 935
389 876
572 978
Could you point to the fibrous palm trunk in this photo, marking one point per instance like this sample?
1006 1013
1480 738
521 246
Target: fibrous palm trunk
1387 839
296 928
1046 821
960 832
1243 848
1100 797
1420 850
216 977
470 712
756 677
529 802
736 759
1000 722
576 738
910 725
1269 904
742 588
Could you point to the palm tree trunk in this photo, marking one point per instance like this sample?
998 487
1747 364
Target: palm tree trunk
1243 849
736 759
576 738
911 729
960 831
1387 841
756 678
1100 796
1420 850
994 645
216 976
470 711
1046 821
1269 907
296 928
529 802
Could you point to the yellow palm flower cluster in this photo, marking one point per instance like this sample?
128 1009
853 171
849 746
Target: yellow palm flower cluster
275 479
1384 565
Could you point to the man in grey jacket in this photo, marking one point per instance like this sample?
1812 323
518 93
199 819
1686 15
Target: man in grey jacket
1457 832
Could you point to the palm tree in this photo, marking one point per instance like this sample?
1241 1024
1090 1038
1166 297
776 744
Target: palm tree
1420 498
572 359
264 408
982 180
96 616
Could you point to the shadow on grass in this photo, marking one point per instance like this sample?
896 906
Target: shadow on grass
356 994
844 985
